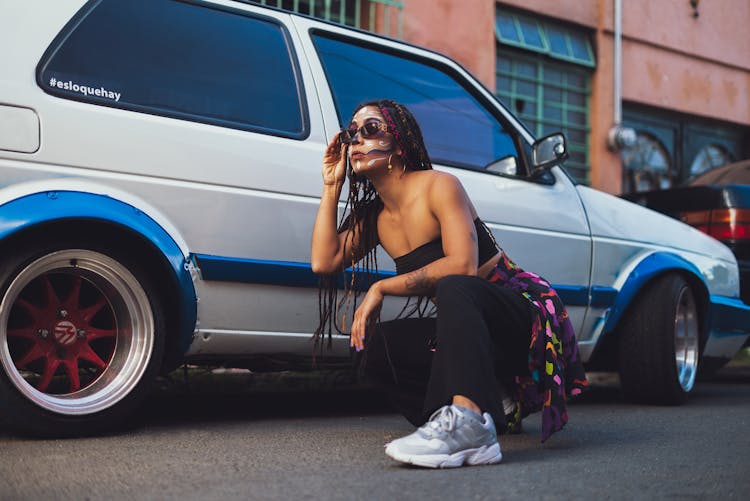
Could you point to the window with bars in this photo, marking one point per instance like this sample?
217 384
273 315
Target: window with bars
544 77
673 148
548 98
377 16
558 41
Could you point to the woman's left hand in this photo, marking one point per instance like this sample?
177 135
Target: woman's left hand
365 317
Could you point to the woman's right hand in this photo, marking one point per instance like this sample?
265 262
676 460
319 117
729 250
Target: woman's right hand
334 162
366 316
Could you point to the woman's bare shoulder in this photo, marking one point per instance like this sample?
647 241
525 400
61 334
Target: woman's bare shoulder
445 190
442 183
436 178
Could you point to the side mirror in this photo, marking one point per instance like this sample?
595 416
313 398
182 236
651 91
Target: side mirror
548 151
506 165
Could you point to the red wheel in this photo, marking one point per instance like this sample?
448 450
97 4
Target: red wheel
63 327
78 331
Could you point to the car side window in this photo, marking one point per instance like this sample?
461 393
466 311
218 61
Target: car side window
458 130
182 60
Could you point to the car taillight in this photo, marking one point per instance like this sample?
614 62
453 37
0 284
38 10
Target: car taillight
722 224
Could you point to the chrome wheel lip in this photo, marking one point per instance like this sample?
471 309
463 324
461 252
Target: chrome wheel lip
686 340
135 331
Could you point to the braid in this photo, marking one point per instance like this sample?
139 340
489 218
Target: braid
363 206
407 132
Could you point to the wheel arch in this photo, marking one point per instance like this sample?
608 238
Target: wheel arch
106 220
645 273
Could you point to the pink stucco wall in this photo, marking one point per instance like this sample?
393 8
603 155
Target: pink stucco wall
720 33
696 65
583 12
606 166
464 30
680 82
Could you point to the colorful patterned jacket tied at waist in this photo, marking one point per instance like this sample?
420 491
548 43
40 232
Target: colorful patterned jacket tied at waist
555 369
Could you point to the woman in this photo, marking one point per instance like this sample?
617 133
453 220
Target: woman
500 334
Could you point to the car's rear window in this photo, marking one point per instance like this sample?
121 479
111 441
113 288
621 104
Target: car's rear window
182 60
737 173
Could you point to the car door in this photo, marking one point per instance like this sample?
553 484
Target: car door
539 222
221 140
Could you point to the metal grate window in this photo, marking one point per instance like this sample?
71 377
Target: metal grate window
555 40
378 16
548 97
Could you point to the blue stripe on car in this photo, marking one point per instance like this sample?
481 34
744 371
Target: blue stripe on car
258 271
728 316
572 295
603 297
269 272
45 207
296 274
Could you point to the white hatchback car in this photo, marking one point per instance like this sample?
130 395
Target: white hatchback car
159 178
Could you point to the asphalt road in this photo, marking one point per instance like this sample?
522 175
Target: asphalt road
305 441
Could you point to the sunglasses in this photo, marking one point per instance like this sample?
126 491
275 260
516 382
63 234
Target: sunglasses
367 131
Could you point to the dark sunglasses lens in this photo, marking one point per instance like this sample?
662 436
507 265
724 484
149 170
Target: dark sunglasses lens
370 129
347 135
367 131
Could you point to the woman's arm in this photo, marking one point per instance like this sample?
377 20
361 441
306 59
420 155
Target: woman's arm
328 247
453 210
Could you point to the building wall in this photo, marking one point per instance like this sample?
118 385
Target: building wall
719 33
582 12
697 65
672 60
463 30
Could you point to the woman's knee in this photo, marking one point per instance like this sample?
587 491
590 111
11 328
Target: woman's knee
452 287
398 344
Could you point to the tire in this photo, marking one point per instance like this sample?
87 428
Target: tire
81 338
659 343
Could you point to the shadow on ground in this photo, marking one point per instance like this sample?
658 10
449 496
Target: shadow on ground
208 394
195 394
217 395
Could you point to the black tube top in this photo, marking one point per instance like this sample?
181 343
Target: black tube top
432 251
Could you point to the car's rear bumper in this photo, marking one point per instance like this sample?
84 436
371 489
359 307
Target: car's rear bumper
728 324
744 266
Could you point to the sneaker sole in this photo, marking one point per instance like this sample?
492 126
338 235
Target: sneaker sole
472 457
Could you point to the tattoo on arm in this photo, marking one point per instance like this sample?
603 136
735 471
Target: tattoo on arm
419 282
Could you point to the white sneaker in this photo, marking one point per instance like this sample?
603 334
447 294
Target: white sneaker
453 436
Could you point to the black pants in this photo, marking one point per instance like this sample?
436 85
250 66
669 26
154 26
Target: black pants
482 333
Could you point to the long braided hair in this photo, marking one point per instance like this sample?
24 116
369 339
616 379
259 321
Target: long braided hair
363 206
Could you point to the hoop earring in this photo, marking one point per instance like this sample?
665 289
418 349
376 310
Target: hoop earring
390 167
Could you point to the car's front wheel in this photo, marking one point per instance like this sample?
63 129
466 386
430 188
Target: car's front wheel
81 338
659 343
